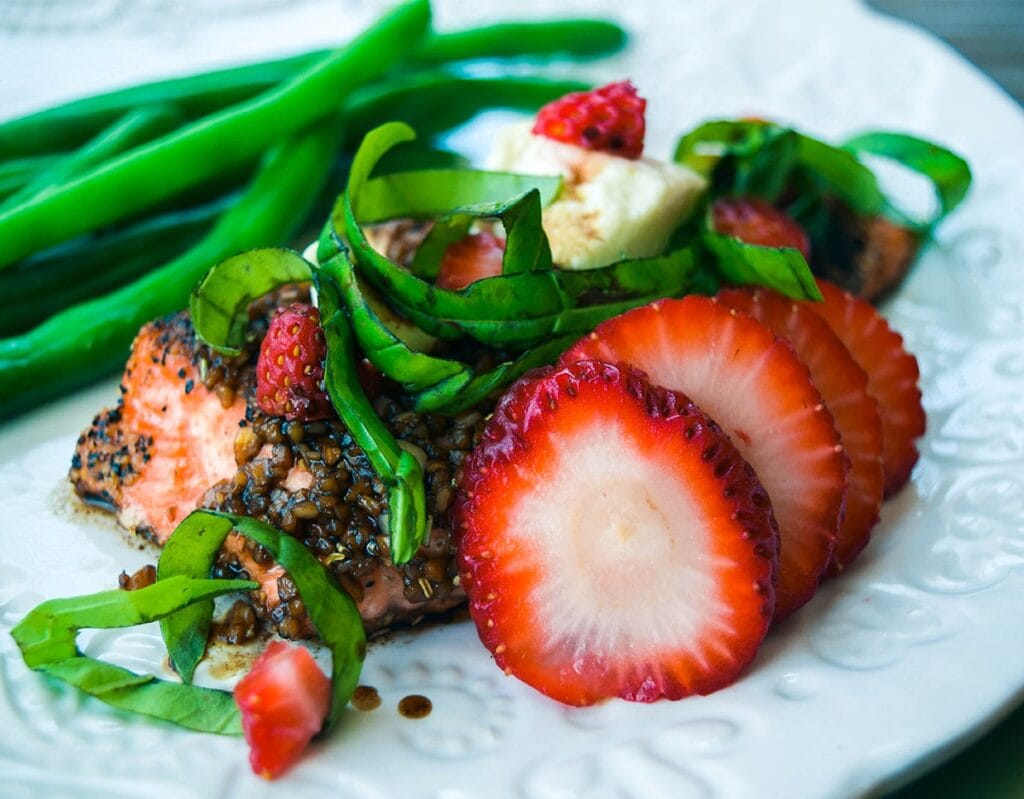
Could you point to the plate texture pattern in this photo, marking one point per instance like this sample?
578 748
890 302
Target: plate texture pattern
909 654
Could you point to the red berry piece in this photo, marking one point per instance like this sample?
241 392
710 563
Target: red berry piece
473 258
757 222
892 377
612 540
283 700
609 119
844 387
755 387
290 370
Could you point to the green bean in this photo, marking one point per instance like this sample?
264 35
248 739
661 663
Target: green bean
66 126
15 174
571 37
82 343
160 169
133 128
34 290
437 101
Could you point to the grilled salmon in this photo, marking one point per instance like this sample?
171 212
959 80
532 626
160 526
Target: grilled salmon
187 433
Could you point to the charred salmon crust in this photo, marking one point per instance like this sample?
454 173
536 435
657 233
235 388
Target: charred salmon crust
187 433
866 255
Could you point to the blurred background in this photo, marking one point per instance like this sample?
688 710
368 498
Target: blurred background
988 32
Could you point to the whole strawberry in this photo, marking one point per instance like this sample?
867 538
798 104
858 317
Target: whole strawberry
290 370
609 119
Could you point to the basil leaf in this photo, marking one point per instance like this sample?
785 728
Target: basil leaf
193 547
742 157
781 268
454 397
588 296
437 384
220 303
842 175
46 638
757 158
426 262
704 147
400 471
431 193
949 174
415 371
519 310
526 245
415 157
190 706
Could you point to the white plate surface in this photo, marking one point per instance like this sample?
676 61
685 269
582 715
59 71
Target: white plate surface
910 654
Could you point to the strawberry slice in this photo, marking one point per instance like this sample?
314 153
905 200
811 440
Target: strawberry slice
469 259
843 386
755 387
892 377
613 542
284 700
758 222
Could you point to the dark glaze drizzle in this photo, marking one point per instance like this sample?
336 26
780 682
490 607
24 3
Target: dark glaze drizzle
415 706
365 698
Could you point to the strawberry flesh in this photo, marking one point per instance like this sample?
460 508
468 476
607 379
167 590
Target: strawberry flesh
892 377
757 222
284 700
843 386
612 540
755 387
470 259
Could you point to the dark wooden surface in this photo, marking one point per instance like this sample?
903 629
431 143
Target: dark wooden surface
989 32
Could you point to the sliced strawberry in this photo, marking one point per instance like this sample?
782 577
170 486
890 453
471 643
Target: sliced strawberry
613 542
284 700
472 258
757 222
843 386
755 387
892 377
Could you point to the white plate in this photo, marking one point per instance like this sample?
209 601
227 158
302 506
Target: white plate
911 653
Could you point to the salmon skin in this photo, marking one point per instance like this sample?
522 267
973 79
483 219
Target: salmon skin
186 434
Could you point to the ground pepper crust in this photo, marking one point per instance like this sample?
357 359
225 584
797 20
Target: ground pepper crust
310 480
110 454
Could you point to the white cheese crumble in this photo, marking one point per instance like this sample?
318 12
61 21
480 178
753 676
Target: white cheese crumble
610 207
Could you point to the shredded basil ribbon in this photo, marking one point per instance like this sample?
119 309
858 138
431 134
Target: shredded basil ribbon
46 638
191 551
948 172
182 601
762 159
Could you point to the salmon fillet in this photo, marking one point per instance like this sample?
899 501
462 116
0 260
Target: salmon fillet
866 255
187 434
